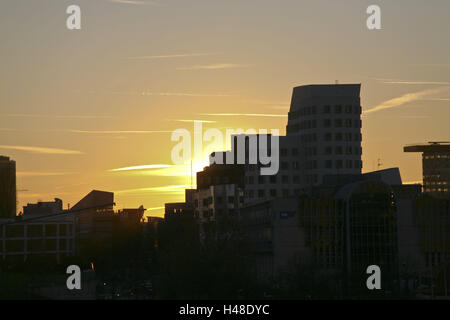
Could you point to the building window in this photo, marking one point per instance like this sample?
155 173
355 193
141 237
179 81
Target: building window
261 179
284 165
327 123
261 193
296 179
338 109
326 109
348 109
285 192
251 180
283 152
328 164
338 150
348 150
338 123
295 165
328 136
338 164
348 123
348 164
295 151
273 192
285 179
273 179
338 136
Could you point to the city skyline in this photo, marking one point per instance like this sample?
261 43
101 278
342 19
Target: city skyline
94 112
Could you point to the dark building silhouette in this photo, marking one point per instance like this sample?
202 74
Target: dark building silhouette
8 204
42 208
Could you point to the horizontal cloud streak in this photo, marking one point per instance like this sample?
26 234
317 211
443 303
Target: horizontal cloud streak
173 189
245 115
214 66
41 150
404 99
134 2
142 167
169 56
173 94
42 174
31 115
118 131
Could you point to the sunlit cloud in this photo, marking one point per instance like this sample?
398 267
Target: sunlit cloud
155 208
172 189
41 150
245 115
42 174
214 66
404 99
169 56
118 131
142 167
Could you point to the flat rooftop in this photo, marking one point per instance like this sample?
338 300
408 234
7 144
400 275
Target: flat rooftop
431 147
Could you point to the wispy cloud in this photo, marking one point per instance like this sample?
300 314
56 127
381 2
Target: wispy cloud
42 174
437 99
118 131
172 94
214 66
173 189
192 120
135 2
169 56
142 167
31 115
439 83
41 150
404 99
155 208
245 115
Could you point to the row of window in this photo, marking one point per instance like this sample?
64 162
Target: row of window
339 164
272 179
261 193
326 109
327 123
328 136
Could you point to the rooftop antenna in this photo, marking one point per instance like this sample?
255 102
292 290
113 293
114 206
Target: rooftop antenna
379 163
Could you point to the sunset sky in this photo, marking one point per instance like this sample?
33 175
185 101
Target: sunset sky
94 108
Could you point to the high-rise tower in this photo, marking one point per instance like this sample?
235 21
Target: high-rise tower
7 187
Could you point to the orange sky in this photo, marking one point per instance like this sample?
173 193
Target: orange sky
75 105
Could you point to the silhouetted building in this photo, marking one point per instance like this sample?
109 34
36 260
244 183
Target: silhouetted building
323 137
327 121
43 208
94 223
7 187
435 166
45 235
